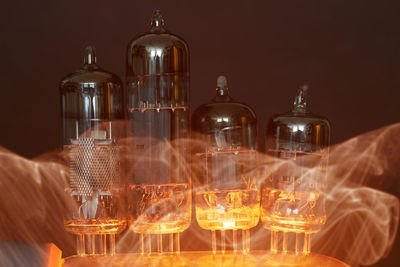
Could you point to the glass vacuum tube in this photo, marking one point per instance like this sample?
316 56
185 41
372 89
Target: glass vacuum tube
91 101
292 197
159 189
226 191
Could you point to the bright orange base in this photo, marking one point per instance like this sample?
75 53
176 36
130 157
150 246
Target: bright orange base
200 258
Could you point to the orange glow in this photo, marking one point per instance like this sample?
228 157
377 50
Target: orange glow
358 226
228 209
54 256
195 259
292 211
95 226
159 209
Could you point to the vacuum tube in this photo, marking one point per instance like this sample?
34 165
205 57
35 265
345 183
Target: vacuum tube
91 101
159 189
226 191
292 197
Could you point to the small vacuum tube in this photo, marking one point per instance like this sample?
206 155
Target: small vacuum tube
91 101
226 192
292 197
159 189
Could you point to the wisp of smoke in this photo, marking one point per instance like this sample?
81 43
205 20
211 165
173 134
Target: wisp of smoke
361 223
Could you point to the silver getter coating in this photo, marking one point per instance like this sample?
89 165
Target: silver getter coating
157 75
165 57
299 130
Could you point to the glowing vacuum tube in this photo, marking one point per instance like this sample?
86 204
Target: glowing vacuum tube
226 191
159 189
91 101
292 197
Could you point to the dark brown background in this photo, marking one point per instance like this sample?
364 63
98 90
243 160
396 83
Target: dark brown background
348 51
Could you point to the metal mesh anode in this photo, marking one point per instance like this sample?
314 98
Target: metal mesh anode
94 165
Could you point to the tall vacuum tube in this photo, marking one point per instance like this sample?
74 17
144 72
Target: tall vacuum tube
91 101
226 191
159 189
292 197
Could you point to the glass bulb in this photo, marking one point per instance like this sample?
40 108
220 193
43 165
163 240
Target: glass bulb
292 196
226 192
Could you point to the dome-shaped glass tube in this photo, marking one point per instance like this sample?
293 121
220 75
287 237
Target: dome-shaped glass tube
159 191
92 101
226 191
292 197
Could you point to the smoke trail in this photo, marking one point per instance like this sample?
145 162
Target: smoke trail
32 203
361 221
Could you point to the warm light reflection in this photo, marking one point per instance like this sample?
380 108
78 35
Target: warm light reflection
227 209
199 259
361 222
159 209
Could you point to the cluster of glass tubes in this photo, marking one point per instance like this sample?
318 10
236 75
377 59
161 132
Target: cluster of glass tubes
236 186
141 178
